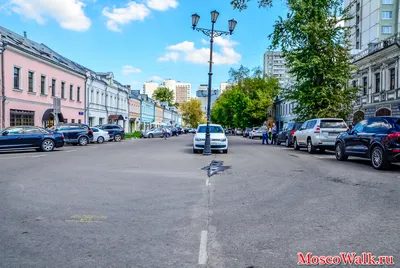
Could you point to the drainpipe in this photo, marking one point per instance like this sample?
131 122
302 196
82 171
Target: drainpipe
88 74
106 103
3 87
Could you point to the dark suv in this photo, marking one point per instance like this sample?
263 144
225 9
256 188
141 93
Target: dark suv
286 135
75 133
116 132
377 138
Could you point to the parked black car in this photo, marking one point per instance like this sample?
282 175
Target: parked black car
377 138
30 137
116 132
75 134
286 135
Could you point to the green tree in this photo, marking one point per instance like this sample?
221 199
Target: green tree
192 113
316 49
248 102
164 94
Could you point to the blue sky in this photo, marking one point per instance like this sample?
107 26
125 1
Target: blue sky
144 39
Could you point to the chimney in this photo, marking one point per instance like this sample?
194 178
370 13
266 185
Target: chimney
25 34
128 86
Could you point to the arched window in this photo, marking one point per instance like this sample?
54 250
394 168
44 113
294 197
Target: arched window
383 112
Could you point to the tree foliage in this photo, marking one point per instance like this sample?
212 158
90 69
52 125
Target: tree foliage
316 49
164 94
247 103
192 113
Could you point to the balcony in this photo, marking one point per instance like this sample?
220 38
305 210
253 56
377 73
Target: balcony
375 47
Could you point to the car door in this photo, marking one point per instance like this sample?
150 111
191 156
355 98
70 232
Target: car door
282 134
375 130
11 137
96 133
301 133
64 129
353 143
32 137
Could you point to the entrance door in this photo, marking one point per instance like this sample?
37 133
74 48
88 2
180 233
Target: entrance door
383 112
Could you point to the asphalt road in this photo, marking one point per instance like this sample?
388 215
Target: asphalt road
148 203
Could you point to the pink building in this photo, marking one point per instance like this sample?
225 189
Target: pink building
32 76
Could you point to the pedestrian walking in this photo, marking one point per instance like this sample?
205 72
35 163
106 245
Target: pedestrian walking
274 133
264 131
165 133
270 134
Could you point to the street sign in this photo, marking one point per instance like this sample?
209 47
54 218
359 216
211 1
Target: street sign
80 113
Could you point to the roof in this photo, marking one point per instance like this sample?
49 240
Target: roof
39 50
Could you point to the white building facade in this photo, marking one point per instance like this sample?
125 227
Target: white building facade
182 92
149 88
108 100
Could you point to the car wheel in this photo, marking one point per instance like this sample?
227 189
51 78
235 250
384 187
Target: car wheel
225 151
278 141
118 137
47 145
100 140
83 141
287 144
296 145
378 159
339 153
151 136
310 147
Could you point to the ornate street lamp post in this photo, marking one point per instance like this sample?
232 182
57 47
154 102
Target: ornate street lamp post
212 34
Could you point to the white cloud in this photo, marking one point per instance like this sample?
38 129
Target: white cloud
169 56
162 5
68 13
129 70
134 83
155 78
120 16
188 51
205 42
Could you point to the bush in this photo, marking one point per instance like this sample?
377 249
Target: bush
135 135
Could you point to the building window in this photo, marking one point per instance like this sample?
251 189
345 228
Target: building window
358 45
365 85
78 93
53 87
387 2
22 118
97 97
71 92
30 81
63 90
101 121
358 19
43 85
17 77
358 6
386 29
392 78
92 96
102 99
357 32
387 15
377 83
79 121
354 83
72 121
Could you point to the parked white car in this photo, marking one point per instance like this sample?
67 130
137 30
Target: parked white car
319 134
219 141
100 136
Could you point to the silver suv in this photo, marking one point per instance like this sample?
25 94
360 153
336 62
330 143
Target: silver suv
319 134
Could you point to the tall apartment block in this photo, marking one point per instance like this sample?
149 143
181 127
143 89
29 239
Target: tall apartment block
274 65
373 21
375 39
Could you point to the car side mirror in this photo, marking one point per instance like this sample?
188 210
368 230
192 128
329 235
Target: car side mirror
5 133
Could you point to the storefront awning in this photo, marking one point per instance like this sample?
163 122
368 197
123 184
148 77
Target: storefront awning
115 117
50 113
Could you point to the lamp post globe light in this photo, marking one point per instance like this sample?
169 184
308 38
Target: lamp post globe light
211 34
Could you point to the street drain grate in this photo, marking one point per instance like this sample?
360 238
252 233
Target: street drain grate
214 167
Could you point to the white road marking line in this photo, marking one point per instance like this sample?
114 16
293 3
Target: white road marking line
207 182
40 155
203 248
69 151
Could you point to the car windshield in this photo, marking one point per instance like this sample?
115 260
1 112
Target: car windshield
333 124
213 129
